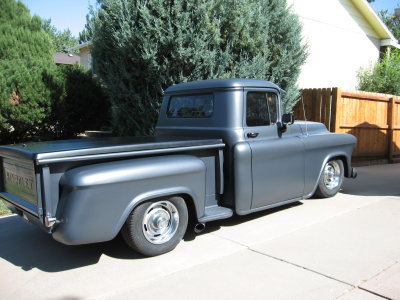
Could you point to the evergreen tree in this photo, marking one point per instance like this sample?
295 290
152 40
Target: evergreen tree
392 22
86 34
25 56
36 96
141 47
61 40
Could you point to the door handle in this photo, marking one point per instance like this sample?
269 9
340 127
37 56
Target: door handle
252 134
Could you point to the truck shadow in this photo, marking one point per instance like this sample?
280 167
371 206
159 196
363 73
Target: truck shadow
29 247
235 220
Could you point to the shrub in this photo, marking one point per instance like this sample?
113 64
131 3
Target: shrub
79 103
384 76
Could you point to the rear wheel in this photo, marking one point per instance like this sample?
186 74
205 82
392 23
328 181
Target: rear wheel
156 227
331 179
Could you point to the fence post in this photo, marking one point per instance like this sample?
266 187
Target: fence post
336 109
391 122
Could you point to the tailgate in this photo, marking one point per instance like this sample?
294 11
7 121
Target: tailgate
19 184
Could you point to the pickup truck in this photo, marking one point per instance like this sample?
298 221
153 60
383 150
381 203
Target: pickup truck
221 146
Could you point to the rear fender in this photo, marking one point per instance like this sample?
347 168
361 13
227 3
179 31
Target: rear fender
96 199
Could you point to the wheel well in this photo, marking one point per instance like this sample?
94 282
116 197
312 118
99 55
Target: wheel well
345 164
190 206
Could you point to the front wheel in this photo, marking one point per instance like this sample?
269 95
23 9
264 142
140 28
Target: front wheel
331 179
156 227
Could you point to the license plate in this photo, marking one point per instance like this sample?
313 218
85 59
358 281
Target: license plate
20 180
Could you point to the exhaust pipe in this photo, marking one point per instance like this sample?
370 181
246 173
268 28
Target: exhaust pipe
353 173
199 227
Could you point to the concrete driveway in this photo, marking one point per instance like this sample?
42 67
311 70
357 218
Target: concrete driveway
346 247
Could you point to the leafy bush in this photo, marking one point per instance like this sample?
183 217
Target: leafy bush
142 47
384 76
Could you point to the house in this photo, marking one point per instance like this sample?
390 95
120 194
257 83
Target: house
343 36
84 53
66 58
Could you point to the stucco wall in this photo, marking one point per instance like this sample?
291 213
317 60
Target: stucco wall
340 43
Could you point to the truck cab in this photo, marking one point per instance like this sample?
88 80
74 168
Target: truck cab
269 159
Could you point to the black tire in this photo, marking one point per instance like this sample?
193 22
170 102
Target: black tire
331 179
156 227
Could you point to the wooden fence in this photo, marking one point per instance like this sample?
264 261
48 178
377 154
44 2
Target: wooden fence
373 118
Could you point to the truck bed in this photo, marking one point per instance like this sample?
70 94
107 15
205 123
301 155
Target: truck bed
103 148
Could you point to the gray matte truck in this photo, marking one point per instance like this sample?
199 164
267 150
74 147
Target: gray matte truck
221 147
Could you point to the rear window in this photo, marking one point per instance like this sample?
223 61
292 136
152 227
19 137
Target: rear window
191 106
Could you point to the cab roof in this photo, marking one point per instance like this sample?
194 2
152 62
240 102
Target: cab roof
220 84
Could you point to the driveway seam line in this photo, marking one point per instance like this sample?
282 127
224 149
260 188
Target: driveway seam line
288 262
374 293
302 267
321 274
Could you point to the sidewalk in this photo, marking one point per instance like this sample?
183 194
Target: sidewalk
346 247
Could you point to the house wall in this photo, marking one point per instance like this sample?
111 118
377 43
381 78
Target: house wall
86 58
340 42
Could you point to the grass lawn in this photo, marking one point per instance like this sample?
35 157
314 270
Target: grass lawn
3 209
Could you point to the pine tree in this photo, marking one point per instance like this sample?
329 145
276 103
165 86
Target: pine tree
36 97
141 47
25 57
61 40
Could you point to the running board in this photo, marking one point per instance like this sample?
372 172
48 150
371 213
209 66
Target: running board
213 213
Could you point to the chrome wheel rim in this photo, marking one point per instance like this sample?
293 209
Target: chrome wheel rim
160 222
332 175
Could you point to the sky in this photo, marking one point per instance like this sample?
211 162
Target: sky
389 5
71 14
64 14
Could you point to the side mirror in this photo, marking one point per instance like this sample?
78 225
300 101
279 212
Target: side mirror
288 119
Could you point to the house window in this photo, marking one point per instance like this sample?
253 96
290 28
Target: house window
191 106
261 109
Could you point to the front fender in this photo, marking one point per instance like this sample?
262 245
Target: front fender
320 148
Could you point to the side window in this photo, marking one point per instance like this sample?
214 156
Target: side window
261 109
191 106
